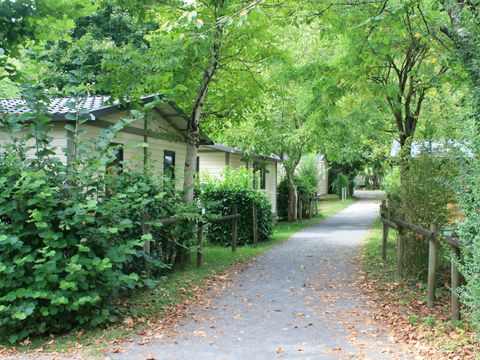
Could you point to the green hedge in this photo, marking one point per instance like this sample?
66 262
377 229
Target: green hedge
235 187
282 199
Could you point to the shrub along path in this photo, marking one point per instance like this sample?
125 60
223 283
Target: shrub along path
299 300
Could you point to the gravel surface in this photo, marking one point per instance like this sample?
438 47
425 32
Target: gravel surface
299 300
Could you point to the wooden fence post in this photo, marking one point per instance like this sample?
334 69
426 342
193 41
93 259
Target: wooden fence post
384 212
400 250
300 208
432 266
234 228
309 207
455 282
146 229
255 225
199 244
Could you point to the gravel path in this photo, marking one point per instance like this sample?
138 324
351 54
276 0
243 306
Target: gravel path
299 300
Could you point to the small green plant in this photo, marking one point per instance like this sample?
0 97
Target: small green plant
414 320
430 321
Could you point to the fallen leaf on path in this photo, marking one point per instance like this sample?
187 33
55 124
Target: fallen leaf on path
278 350
200 333
300 315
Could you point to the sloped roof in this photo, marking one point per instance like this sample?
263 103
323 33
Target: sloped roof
230 150
57 105
97 106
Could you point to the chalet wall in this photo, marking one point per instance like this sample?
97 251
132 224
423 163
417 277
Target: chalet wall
214 162
58 144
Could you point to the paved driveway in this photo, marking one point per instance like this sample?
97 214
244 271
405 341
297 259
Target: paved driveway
299 300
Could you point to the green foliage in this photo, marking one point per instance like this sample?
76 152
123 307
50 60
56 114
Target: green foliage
70 238
218 195
308 177
282 199
339 182
306 182
427 195
94 36
470 236
391 183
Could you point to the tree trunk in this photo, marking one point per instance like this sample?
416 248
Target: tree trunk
193 133
292 198
193 126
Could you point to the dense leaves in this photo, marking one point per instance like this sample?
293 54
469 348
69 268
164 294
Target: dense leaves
219 196
70 234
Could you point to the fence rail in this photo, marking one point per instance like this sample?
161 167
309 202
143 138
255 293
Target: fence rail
234 217
433 237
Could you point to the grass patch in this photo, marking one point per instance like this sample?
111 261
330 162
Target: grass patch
406 300
176 287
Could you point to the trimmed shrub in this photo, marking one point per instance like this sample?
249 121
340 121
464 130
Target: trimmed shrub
282 199
218 195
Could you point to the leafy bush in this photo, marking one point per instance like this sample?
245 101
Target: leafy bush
306 181
282 199
427 195
308 178
470 236
391 183
235 187
341 181
70 238
146 193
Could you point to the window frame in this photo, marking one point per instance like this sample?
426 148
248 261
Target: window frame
262 169
171 166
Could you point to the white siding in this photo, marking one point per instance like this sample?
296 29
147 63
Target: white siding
236 161
271 184
214 162
134 154
323 183
156 148
58 142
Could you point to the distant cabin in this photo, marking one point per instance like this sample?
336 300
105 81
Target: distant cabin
163 129
322 166
213 159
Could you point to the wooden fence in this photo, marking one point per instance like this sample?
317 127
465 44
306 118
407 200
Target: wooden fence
433 237
147 225
311 202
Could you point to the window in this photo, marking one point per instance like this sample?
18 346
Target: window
169 164
116 165
261 172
